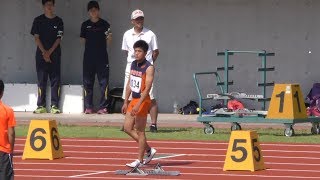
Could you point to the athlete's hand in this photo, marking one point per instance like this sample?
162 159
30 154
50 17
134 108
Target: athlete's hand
48 60
135 110
124 108
46 56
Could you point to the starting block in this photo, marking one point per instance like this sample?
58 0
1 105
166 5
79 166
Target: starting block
235 95
138 171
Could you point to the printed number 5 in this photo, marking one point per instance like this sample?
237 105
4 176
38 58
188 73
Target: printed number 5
236 148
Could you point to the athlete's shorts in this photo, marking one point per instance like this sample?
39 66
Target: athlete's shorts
126 79
144 107
6 166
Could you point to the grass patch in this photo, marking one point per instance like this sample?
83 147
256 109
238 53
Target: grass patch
265 135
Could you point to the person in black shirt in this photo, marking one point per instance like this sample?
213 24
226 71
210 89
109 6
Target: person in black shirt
96 34
47 30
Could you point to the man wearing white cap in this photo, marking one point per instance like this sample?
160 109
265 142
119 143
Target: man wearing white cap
138 32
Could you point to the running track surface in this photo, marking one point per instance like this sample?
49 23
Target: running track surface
99 158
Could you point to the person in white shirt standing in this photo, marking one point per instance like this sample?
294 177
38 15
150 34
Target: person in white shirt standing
139 32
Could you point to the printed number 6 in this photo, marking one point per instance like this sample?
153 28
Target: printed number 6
55 139
33 139
236 148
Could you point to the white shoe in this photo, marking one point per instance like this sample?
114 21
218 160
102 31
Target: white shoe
134 164
150 155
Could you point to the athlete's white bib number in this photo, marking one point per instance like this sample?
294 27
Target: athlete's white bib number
135 84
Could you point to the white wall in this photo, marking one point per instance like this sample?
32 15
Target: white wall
190 32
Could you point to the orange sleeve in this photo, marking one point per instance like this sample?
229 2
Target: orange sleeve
12 120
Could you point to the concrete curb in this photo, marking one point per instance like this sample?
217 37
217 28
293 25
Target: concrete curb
164 120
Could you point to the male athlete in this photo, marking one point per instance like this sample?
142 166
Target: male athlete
139 32
7 137
139 85
47 30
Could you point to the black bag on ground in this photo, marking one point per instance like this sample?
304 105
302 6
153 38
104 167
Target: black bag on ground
190 108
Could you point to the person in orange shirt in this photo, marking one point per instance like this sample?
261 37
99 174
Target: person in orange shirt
7 138
139 85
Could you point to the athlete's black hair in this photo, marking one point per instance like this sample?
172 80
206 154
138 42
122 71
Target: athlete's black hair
1 87
141 44
45 1
93 4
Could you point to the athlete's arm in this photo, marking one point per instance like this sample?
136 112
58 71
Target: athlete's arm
124 45
58 40
149 80
11 137
39 43
109 39
42 49
83 33
128 92
126 99
108 34
155 55
55 45
82 40
47 54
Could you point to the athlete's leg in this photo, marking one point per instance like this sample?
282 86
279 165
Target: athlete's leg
153 111
54 75
6 166
129 124
103 78
126 79
140 124
42 75
88 83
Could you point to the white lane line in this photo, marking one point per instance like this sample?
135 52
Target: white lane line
183 142
295 170
194 174
169 160
265 156
245 175
292 157
66 164
171 156
184 167
187 154
171 167
105 158
53 170
170 148
38 176
277 157
89 174
126 177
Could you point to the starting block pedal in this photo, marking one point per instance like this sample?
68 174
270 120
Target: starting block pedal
138 171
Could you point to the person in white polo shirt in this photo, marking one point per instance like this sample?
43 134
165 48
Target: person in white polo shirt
139 32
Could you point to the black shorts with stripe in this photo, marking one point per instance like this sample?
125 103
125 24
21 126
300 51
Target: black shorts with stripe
6 166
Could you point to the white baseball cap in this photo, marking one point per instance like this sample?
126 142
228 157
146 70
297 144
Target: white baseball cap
137 13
